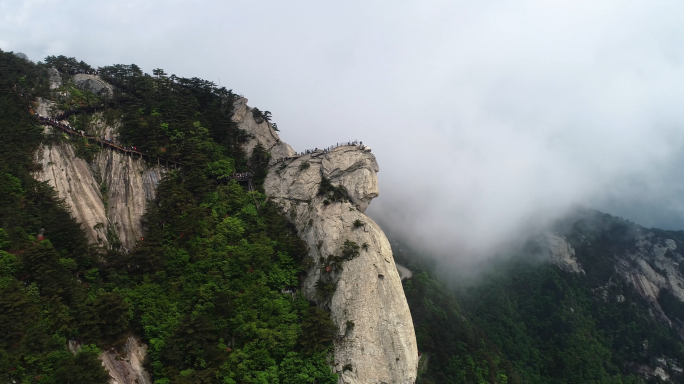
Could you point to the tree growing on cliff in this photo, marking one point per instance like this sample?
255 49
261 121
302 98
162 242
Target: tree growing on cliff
332 193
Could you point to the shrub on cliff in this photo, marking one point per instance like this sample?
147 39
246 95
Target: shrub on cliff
332 193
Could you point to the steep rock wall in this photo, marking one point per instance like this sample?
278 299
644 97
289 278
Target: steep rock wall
124 366
376 340
127 182
560 252
261 132
131 184
127 367
380 346
653 267
55 78
73 180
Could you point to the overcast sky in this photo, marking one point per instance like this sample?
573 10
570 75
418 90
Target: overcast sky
485 116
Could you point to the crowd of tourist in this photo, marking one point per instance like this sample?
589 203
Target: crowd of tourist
240 176
59 121
322 150
66 126
54 121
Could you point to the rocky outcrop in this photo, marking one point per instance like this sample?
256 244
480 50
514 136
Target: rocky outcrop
131 185
21 55
124 366
92 84
561 253
55 78
261 132
653 267
624 261
73 180
376 341
108 196
281 150
127 367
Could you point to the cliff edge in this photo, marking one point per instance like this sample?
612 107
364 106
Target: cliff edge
351 268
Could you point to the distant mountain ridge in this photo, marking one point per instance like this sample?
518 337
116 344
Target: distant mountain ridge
595 299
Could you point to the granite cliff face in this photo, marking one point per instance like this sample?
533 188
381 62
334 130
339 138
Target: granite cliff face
560 252
55 78
261 131
108 196
126 367
376 338
93 84
376 341
653 267
651 264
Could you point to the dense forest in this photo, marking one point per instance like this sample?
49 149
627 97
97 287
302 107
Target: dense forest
203 289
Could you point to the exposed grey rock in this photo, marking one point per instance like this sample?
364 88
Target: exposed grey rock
653 267
129 182
74 346
261 132
124 366
561 253
282 150
21 55
127 367
356 170
73 180
662 374
381 348
55 78
44 107
93 84
349 166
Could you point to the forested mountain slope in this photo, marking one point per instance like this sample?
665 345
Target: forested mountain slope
615 317
202 288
